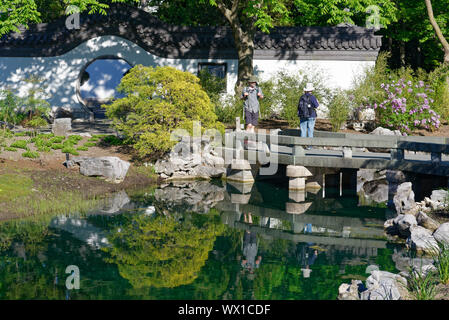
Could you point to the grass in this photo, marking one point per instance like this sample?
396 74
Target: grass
57 146
30 154
442 263
10 149
20 144
422 287
13 186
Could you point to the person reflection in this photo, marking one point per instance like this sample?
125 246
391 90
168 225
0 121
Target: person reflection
306 256
250 261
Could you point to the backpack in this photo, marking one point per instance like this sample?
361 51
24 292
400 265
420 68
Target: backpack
303 106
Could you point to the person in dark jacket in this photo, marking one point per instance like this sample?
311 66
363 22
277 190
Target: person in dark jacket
307 111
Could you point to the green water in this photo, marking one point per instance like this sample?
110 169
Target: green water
188 242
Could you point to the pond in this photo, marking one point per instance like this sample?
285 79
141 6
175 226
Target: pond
200 240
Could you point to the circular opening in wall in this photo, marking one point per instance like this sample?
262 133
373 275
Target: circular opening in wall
98 81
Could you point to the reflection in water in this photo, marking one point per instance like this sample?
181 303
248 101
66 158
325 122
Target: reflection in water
200 240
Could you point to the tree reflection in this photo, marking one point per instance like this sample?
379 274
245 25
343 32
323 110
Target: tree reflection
162 251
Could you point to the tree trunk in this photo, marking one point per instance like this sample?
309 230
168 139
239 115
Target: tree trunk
438 32
244 44
243 35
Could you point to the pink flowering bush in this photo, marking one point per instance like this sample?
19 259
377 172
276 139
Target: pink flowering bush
408 105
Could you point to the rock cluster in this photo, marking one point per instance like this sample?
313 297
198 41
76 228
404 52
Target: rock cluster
378 186
380 285
191 160
113 169
182 196
422 233
379 131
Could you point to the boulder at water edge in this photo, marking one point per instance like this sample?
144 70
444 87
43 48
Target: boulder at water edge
404 200
425 221
442 234
421 240
383 285
113 169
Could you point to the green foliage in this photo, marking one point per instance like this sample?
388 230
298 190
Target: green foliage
70 149
441 257
57 139
33 102
90 144
422 287
21 144
30 154
159 100
162 252
289 87
10 149
8 108
13 186
82 148
339 109
57 146
113 140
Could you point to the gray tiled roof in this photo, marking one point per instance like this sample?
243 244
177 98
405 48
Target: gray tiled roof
159 38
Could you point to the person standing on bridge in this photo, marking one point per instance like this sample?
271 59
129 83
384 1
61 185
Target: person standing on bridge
307 111
251 95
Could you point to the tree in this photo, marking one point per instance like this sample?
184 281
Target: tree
159 100
438 31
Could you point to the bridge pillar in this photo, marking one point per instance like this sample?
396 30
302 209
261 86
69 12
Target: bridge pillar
297 177
240 171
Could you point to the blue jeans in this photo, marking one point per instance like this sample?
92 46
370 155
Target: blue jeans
307 125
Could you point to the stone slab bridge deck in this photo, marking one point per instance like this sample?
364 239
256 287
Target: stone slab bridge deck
427 155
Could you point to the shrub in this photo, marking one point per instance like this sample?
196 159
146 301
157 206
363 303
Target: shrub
37 122
82 148
57 146
90 144
21 144
93 139
8 108
289 87
112 140
157 101
422 287
10 149
70 149
407 106
43 148
30 154
339 109
57 139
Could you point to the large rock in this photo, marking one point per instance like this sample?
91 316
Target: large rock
385 132
62 126
425 221
383 285
442 234
406 264
421 240
350 291
439 196
404 200
191 160
403 223
111 168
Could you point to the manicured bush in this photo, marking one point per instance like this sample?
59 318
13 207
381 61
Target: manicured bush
70 149
90 144
57 139
43 148
159 100
10 149
57 146
20 144
30 154
82 148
